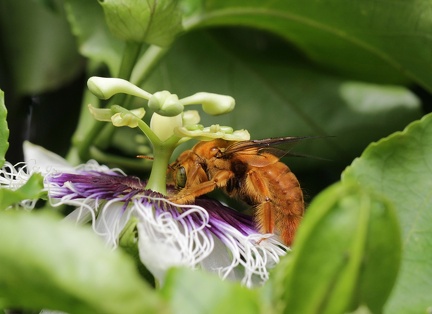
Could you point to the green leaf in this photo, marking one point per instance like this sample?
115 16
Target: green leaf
4 130
52 264
38 48
153 22
346 254
278 94
375 40
196 292
400 168
94 39
31 190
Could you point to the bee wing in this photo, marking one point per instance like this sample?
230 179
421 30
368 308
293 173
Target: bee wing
257 151
268 145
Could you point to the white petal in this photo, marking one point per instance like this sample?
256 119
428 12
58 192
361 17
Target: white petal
165 241
111 220
44 160
158 256
220 259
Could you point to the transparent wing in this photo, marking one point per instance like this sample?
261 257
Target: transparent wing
260 153
278 146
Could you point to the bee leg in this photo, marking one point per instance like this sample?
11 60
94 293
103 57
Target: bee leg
289 228
265 215
188 195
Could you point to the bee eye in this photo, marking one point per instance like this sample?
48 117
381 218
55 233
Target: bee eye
181 177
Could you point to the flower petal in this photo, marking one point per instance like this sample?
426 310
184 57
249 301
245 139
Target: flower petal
42 160
256 253
170 228
208 234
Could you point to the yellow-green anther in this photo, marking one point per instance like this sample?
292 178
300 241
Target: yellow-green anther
165 104
191 117
129 119
194 127
164 126
237 135
212 132
104 87
100 114
218 128
214 104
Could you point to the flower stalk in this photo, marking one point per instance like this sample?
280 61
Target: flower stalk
157 180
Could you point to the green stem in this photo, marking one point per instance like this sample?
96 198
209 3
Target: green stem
161 157
89 139
85 125
130 57
146 63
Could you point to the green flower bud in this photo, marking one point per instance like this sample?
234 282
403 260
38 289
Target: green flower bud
214 104
104 87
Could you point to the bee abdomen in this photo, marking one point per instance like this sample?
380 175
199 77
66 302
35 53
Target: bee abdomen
284 204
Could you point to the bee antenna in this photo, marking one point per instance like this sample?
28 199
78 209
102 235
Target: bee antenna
145 157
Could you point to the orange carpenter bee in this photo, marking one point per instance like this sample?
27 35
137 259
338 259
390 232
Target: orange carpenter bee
247 170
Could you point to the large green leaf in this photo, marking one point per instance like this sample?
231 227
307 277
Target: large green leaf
346 254
4 130
53 264
94 39
363 40
39 50
278 94
400 167
373 39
